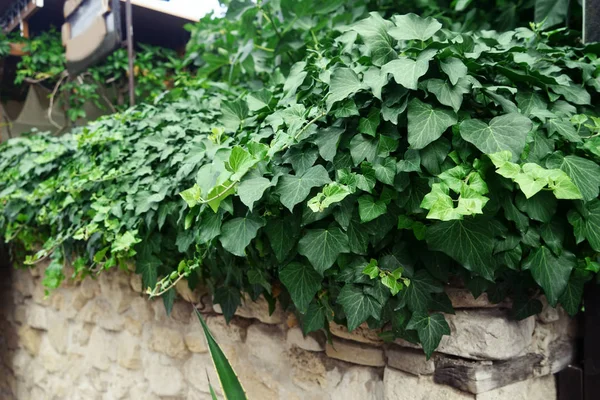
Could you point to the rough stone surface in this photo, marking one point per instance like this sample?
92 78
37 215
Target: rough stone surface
462 298
295 337
409 360
486 335
103 340
355 353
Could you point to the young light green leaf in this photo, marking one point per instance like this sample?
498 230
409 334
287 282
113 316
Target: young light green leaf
584 173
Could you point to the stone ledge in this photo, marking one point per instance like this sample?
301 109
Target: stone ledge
258 309
409 360
355 353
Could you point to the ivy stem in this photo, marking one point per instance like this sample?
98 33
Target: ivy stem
171 286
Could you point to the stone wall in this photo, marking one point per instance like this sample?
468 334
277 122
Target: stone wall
101 339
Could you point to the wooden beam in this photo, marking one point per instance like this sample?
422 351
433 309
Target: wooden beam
27 12
16 49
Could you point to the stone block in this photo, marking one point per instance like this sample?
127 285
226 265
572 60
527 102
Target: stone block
165 381
311 342
486 335
167 341
361 384
361 334
482 376
30 339
101 349
35 316
409 360
195 341
267 344
543 388
128 354
308 369
400 385
355 353
223 332
187 294
99 311
135 281
58 334
258 309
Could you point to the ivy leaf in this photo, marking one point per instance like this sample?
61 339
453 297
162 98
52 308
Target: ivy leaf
587 225
293 189
385 170
507 132
571 298
229 299
344 83
283 234
406 71
524 307
192 196
363 148
327 141
470 242
454 68
550 272
369 209
530 102
430 328
236 234
240 161
314 319
448 95
233 114
302 282
373 31
251 190
551 12
573 93
369 125
357 305
322 247
564 128
413 27
584 173
426 124
418 293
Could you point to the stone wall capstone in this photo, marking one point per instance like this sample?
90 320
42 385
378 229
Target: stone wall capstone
102 340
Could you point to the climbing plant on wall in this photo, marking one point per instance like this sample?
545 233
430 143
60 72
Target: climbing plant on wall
341 163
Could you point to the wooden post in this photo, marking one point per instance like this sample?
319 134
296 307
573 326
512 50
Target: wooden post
591 21
129 27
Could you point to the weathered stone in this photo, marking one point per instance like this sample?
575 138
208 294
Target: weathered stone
361 384
196 369
409 360
58 334
482 376
101 348
355 353
187 294
35 316
308 369
23 283
20 314
361 334
486 334
50 358
225 333
543 388
295 337
78 301
195 342
183 312
100 312
165 381
89 288
258 309
30 339
403 386
549 314
135 281
267 344
462 298
128 355
167 341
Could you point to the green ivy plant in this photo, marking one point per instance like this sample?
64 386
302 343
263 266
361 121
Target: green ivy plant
343 164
